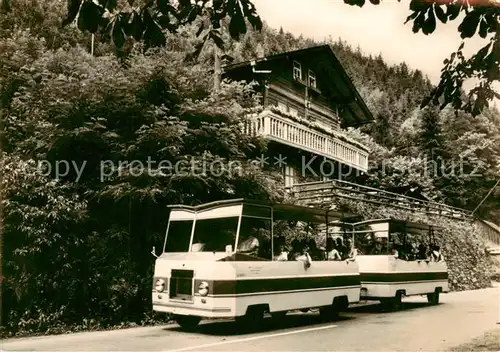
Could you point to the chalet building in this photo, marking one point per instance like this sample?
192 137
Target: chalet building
308 100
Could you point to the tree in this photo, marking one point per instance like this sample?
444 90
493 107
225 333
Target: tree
430 135
144 20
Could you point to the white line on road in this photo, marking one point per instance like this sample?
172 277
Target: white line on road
250 339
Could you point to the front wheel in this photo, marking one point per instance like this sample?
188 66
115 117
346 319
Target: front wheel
433 298
187 322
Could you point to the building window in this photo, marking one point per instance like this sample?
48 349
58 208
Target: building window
289 176
312 79
297 70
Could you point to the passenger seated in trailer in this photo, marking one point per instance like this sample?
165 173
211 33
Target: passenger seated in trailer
368 243
304 255
314 251
406 252
341 248
353 252
436 255
422 252
414 251
331 252
280 250
296 250
396 248
378 248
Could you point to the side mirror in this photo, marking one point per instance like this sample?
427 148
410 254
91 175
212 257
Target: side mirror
153 252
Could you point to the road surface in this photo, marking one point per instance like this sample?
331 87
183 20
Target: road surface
459 318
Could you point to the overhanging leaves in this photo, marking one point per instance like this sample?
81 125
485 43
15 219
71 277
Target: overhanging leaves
148 22
482 17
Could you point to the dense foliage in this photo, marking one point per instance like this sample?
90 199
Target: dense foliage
76 249
143 21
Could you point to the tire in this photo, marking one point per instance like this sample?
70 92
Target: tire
396 302
328 313
187 322
278 316
392 304
433 298
252 320
305 310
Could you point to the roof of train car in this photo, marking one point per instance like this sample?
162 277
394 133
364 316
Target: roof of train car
281 211
395 224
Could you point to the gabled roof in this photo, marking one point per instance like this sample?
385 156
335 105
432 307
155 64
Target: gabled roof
341 91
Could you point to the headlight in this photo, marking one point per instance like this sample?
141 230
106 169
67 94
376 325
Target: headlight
160 285
203 289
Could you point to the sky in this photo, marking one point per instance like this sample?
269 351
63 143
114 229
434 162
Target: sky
376 29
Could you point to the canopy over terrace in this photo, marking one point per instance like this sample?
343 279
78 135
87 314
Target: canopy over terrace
386 228
402 226
275 211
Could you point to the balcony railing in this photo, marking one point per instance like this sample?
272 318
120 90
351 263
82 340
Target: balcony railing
286 131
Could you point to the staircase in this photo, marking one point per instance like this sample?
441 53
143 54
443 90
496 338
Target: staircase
491 235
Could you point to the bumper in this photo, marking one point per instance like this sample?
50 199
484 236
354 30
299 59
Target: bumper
207 307
198 311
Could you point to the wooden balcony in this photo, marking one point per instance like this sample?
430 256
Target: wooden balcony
276 127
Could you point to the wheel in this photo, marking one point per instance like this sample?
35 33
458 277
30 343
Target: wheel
278 316
252 320
396 301
187 322
386 304
433 298
328 313
305 310
392 304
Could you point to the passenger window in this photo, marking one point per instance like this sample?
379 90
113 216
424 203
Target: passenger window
213 235
255 237
178 236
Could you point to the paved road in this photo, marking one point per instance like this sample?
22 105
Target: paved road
419 327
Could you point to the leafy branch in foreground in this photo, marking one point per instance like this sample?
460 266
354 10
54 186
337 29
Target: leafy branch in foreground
480 17
145 20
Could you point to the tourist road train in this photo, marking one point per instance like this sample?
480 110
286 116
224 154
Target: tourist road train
242 259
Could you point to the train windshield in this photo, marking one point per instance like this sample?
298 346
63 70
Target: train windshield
178 236
215 235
